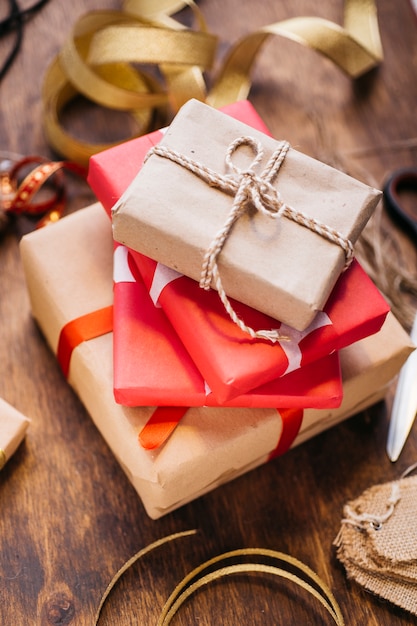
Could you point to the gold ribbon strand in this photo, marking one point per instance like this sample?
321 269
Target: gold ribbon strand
355 48
254 560
108 54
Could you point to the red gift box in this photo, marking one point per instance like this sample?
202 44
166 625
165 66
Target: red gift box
152 367
111 171
231 362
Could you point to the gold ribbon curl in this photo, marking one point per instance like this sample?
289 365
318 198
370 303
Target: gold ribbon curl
263 561
144 62
304 577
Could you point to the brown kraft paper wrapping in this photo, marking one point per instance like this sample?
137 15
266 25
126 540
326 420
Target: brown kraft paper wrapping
68 269
276 266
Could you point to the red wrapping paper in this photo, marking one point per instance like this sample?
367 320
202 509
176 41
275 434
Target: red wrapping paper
111 171
152 367
231 362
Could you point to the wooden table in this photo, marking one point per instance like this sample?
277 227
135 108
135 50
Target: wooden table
69 518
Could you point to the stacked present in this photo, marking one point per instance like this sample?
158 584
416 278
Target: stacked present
191 387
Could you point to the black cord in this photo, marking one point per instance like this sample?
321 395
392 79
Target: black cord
12 22
15 22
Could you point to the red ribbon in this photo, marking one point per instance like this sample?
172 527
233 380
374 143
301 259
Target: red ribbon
81 329
24 192
291 424
164 419
160 426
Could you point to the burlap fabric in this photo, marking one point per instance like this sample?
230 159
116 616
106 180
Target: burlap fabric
377 541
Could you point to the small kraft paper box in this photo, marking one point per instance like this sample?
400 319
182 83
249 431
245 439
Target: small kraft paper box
151 365
231 362
13 427
68 268
278 266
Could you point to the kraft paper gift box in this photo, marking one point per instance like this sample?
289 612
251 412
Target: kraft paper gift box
231 362
278 266
151 365
13 427
68 268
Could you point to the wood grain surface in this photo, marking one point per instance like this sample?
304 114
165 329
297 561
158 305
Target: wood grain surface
69 518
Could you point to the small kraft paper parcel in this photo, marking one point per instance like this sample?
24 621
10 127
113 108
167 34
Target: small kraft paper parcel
240 212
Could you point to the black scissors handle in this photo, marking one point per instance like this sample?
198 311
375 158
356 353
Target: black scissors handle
401 180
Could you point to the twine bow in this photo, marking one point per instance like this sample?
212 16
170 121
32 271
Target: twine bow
248 189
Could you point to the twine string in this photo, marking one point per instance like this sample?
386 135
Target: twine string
362 520
248 189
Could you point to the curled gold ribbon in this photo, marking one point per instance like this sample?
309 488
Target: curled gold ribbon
254 560
132 560
104 58
304 578
355 48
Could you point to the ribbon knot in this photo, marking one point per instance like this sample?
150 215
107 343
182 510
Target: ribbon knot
248 189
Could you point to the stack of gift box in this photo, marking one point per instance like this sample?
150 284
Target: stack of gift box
193 386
